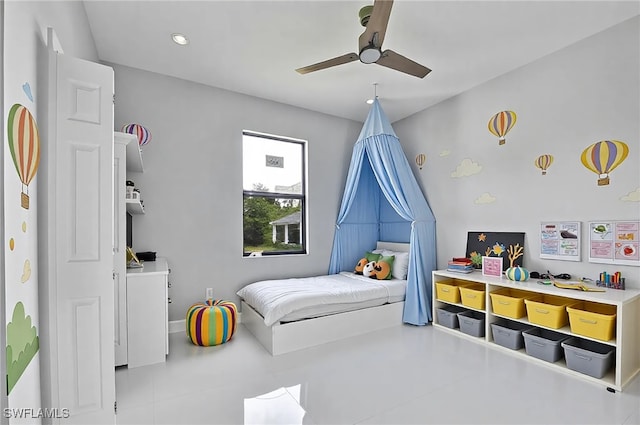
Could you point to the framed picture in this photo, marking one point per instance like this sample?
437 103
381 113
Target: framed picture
492 266
560 240
507 245
614 242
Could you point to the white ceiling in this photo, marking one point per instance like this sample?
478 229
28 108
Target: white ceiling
253 47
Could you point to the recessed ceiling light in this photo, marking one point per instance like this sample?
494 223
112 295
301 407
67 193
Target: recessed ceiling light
180 39
369 101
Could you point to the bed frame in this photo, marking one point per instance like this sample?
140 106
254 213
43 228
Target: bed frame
281 338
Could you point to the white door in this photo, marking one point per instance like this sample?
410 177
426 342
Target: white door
80 226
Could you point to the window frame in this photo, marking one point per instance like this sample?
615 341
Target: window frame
302 197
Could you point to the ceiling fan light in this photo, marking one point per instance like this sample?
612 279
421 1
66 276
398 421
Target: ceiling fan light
180 39
370 54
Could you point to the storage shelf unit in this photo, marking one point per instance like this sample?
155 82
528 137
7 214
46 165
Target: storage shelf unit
134 156
627 332
127 158
134 164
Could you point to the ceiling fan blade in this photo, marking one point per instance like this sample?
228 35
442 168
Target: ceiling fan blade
349 57
393 60
377 24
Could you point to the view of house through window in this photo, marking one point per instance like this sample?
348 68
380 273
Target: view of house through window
273 170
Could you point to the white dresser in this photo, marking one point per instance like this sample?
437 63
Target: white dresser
148 313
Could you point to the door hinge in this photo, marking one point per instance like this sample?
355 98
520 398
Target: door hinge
115 406
114 98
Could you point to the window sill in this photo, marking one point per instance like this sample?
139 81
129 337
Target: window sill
275 255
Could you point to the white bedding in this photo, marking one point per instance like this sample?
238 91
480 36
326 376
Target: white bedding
297 298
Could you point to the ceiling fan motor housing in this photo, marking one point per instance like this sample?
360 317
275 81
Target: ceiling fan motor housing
365 14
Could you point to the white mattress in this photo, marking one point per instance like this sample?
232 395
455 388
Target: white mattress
301 298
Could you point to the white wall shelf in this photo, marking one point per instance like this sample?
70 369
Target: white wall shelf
134 155
134 206
627 333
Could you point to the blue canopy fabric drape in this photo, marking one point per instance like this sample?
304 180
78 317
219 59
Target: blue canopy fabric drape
382 201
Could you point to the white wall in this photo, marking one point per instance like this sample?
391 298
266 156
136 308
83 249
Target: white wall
3 323
192 184
566 101
24 26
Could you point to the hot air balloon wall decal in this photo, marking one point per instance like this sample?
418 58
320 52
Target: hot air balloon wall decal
420 159
543 162
500 124
603 157
24 145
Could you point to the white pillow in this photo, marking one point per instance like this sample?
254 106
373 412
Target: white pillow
400 264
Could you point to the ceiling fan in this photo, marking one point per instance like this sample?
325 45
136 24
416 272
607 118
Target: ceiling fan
375 19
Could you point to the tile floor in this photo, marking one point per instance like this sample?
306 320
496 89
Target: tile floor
402 375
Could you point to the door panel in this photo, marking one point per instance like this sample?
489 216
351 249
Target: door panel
80 218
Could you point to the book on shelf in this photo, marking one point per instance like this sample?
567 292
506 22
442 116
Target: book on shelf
461 260
459 267
460 270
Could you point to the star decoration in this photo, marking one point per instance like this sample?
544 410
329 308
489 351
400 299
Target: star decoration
482 237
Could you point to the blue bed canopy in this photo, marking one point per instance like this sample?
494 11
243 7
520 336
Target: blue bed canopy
383 202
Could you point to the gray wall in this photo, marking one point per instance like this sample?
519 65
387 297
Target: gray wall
192 183
566 101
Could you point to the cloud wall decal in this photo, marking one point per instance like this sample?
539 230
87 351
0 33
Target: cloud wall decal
466 168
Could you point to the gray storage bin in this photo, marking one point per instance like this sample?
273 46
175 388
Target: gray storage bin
448 316
544 344
509 334
588 357
471 322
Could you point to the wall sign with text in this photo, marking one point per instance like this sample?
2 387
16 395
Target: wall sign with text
274 161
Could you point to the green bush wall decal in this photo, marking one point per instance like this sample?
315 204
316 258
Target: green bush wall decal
22 345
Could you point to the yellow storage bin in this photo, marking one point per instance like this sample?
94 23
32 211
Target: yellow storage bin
509 302
473 296
548 310
448 290
592 319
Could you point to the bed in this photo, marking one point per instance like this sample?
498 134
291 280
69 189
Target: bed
291 314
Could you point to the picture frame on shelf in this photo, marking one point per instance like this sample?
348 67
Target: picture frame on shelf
492 266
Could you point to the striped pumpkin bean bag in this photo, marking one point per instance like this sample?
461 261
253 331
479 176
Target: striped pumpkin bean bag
211 323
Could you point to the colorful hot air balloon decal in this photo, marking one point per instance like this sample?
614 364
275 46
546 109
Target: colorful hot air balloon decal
500 124
143 134
420 159
603 157
24 144
543 162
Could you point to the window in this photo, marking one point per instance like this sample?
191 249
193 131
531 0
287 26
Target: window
274 195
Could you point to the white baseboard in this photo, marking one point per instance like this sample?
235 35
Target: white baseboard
176 326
